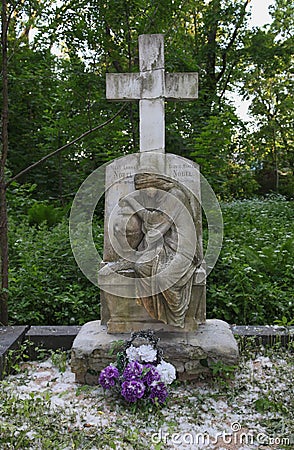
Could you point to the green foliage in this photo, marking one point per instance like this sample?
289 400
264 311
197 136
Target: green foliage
19 199
267 82
285 322
43 426
221 370
13 360
59 359
265 404
46 285
252 282
22 205
222 162
42 212
56 96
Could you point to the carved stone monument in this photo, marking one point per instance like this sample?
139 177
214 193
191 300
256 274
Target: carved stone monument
153 272
180 304
152 219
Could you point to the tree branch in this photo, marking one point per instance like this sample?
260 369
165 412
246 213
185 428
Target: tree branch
64 147
226 84
233 38
12 11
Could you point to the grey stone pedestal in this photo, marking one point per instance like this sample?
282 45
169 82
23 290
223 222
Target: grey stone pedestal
191 353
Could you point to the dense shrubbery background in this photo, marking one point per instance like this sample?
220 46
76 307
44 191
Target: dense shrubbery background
252 282
46 285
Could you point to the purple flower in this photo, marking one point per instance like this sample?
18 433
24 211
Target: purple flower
158 393
133 370
150 374
108 377
132 390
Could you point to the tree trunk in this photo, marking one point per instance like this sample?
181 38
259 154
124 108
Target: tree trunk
276 159
210 84
4 256
4 151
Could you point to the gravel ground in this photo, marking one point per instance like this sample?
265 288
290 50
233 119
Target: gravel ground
43 408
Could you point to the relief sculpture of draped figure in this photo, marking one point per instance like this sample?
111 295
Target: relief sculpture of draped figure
166 259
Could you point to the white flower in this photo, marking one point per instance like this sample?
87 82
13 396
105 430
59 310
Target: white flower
144 353
133 353
147 353
167 372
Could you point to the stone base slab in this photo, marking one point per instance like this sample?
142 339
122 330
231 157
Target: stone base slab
192 353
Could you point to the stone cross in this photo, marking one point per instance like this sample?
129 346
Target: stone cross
152 86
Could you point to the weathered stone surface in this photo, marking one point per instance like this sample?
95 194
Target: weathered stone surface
190 353
135 86
152 86
181 86
153 113
153 271
11 338
52 337
151 52
180 300
265 335
118 299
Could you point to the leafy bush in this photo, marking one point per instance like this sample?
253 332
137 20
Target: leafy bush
22 205
42 212
20 199
252 282
46 285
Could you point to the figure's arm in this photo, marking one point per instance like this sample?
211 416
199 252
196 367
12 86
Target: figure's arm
155 234
136 206
172 206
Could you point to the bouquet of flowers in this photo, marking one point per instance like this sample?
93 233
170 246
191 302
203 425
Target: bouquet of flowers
140 373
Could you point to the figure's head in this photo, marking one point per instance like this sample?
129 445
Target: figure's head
153 182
